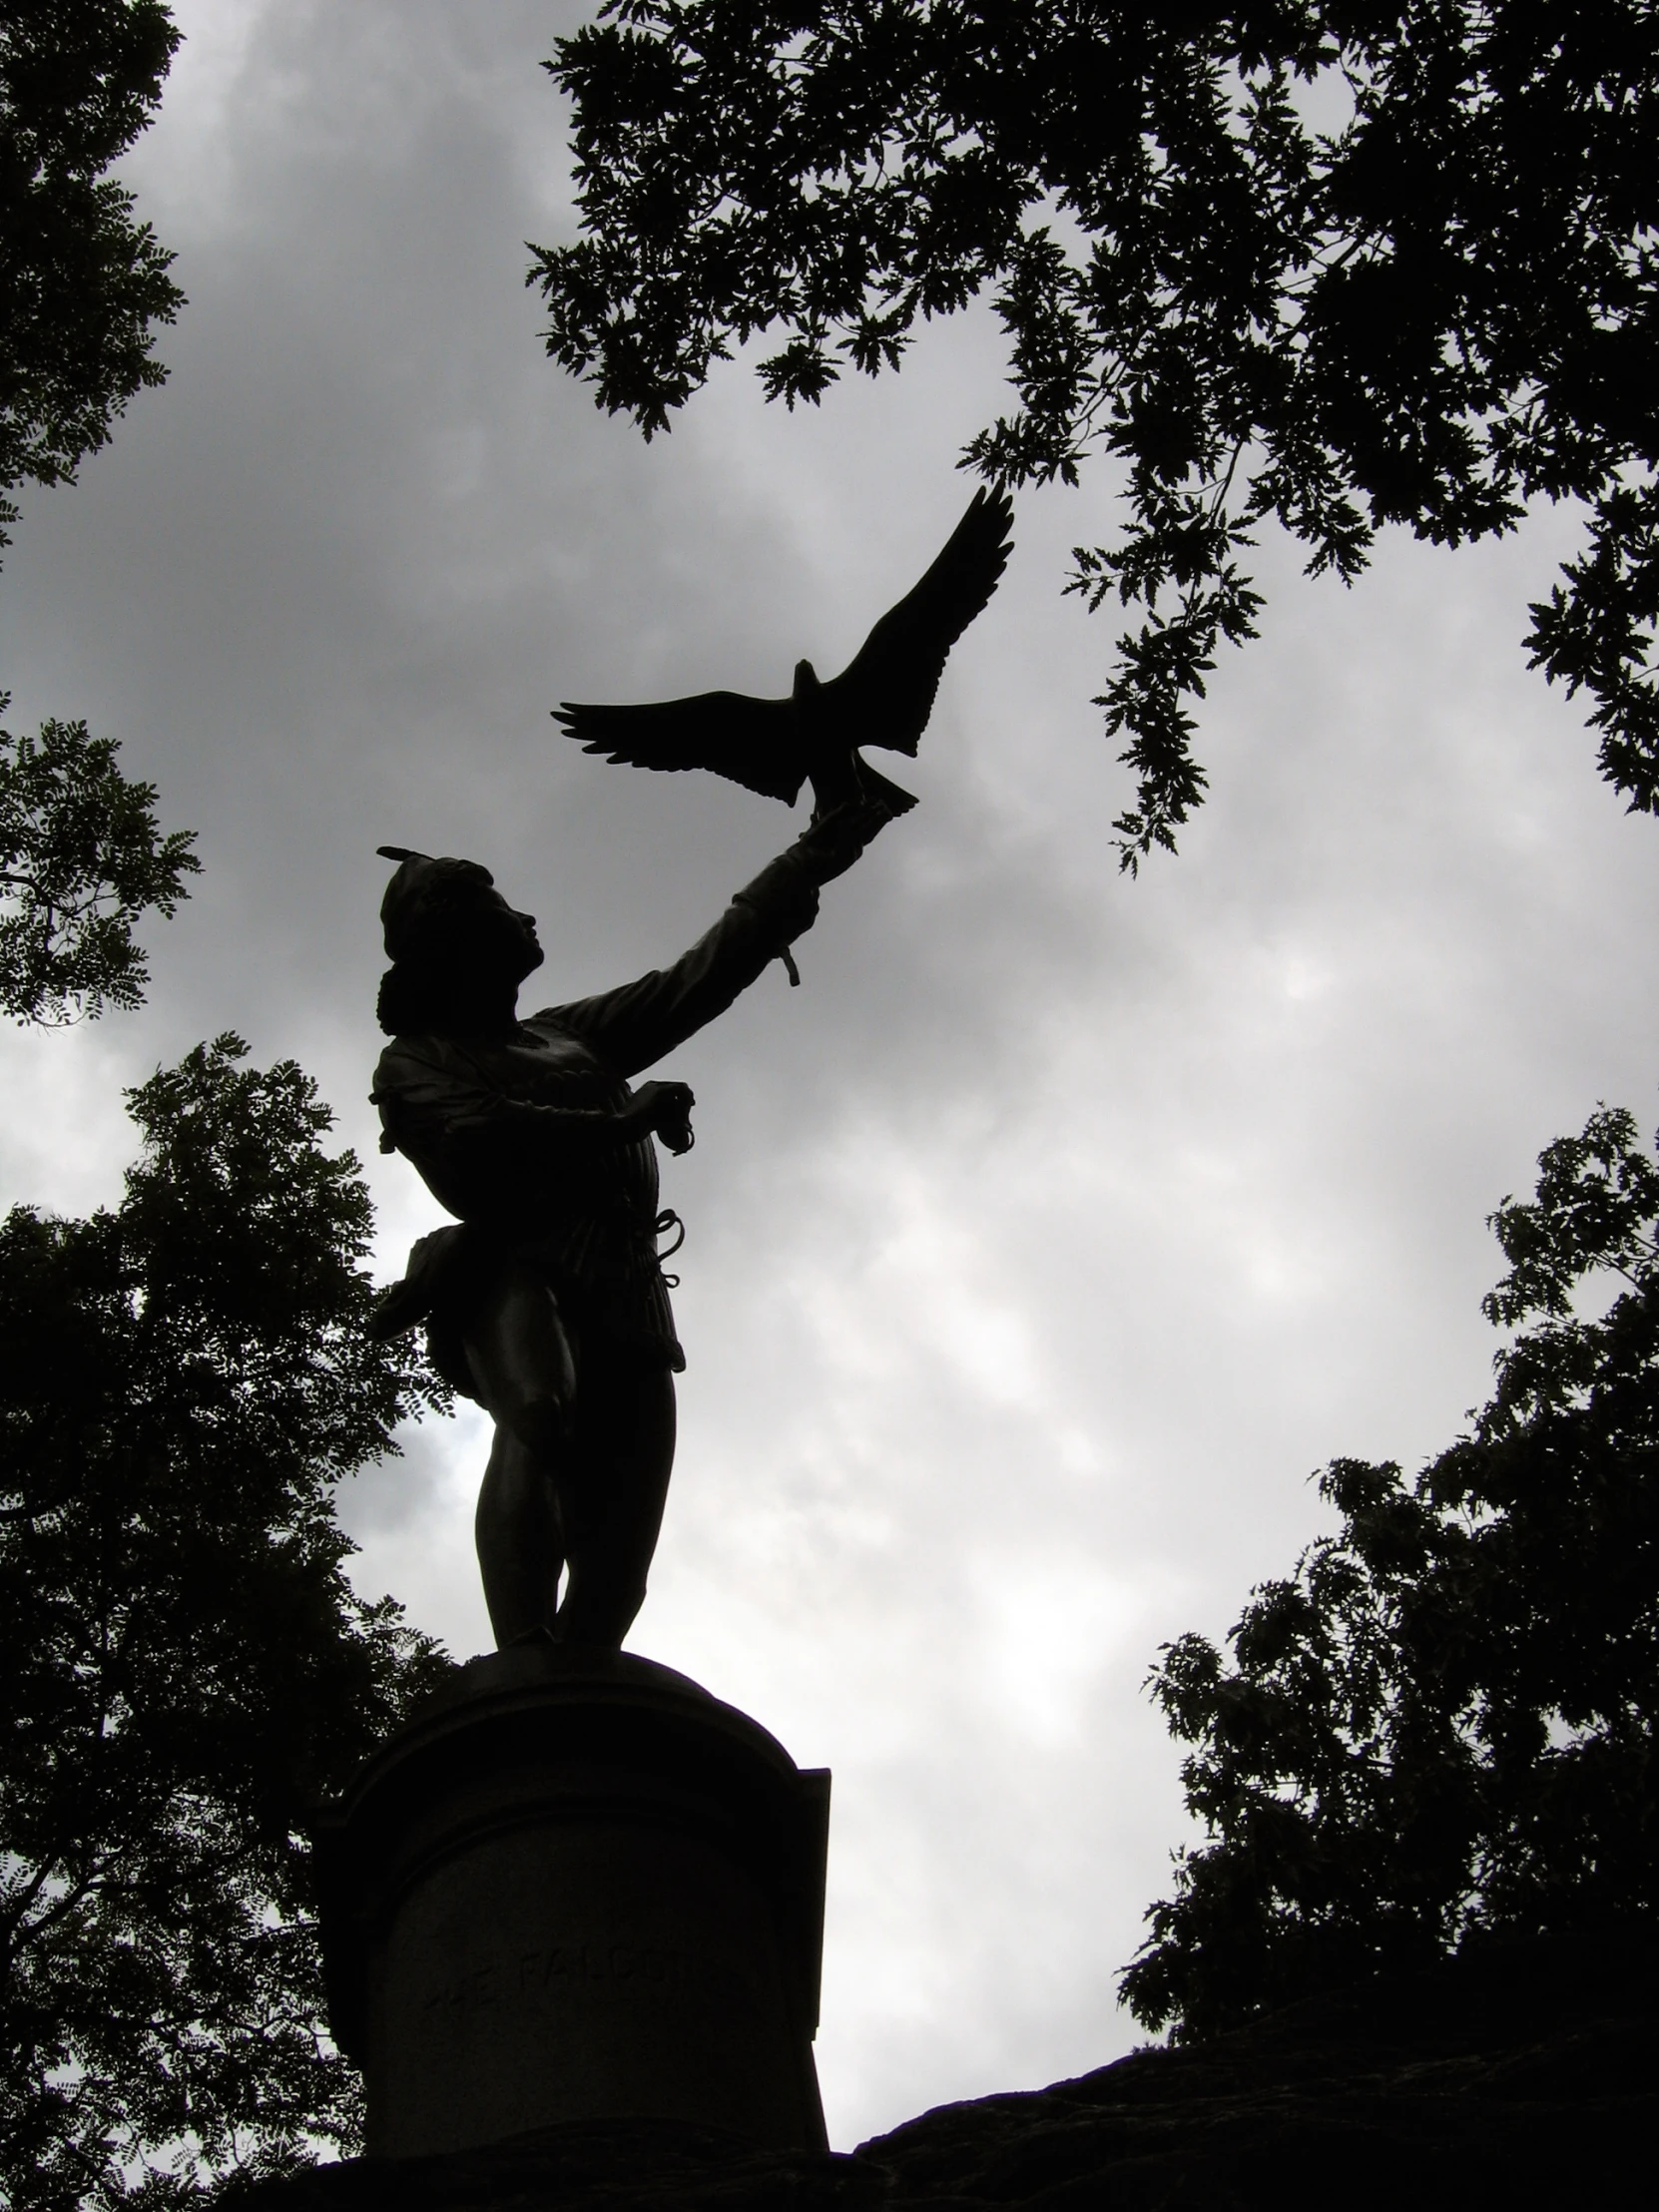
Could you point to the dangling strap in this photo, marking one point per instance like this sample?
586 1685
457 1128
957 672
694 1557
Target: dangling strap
667 1219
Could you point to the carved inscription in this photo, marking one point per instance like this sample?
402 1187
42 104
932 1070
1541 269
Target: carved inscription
528 1974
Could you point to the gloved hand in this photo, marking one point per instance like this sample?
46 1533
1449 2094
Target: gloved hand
831 843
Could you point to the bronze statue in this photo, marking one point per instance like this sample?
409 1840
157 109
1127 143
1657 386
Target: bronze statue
546 1300
882 697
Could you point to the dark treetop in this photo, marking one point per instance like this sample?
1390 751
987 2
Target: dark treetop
1437 307
184 1376
1441 1728
82 860
81 289
82 285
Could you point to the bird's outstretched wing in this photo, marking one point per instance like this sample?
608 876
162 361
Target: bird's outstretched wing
885 694
751 740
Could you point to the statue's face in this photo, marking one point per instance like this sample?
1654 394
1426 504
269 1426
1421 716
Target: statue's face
499 939
519 937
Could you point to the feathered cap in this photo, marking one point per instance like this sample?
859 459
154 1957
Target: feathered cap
425 890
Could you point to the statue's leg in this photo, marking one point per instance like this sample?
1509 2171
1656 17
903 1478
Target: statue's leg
613 1482
517 1531
520 1358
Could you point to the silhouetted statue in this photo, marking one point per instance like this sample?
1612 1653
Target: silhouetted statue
546 1302
882 697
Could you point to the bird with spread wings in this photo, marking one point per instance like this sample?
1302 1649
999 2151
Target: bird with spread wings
884 695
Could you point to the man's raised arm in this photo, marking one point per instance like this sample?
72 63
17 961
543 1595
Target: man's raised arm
636 1024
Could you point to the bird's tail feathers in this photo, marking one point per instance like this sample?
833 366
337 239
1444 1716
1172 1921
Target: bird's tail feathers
882 790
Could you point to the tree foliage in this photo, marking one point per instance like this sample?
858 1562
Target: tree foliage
1431 310
82 860
82 285
1441 1725
183 1380
81 288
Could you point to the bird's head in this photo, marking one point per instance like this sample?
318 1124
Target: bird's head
806 681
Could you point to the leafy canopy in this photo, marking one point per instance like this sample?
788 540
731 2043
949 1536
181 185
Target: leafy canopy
81 861
1441 1725
81 283
183 1380
1432 312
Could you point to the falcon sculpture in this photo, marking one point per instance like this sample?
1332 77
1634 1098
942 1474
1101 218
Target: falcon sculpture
884 695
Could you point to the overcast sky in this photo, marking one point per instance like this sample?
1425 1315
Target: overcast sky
1049 1238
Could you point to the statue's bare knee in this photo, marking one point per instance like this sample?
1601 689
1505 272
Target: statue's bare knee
540 1423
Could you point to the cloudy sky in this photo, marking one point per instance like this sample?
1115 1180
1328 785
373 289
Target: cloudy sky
1060 1226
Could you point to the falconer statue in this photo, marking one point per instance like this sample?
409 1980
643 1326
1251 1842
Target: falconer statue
545 1301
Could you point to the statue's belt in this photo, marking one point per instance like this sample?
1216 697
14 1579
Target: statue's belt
451 1266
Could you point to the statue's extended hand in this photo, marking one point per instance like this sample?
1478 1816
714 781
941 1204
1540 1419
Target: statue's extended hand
832 843
663 1110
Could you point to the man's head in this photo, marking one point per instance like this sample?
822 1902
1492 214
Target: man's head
454 942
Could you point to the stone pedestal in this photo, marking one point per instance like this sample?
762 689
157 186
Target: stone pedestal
577 1888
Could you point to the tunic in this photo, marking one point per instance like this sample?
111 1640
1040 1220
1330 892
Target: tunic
561 1192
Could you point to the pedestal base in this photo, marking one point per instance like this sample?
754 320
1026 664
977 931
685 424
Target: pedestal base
577 1888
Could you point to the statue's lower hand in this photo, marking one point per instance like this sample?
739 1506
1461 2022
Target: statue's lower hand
663 1110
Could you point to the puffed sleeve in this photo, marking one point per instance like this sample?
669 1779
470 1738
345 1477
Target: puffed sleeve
423 1092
